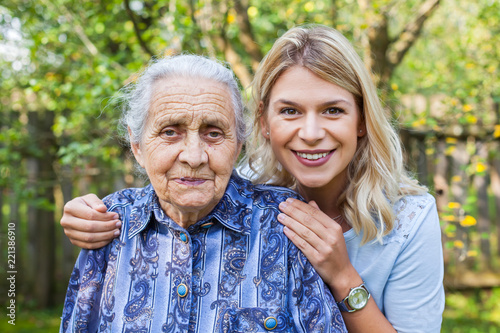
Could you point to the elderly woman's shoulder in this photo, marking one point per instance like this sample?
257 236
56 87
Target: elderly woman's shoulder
260 192
278 191
128 196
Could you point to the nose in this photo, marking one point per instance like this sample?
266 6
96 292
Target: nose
194 151
311 130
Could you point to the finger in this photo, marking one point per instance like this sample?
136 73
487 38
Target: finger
306 248
302 232
91 240
306 214
94 202
70 223
79 208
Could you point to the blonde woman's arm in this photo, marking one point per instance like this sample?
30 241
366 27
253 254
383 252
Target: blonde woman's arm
88 224
322 242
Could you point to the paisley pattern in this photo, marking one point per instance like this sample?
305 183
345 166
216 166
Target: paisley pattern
241 272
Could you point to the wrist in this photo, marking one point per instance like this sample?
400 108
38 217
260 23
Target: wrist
341 285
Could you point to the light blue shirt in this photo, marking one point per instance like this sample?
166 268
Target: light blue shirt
233 271
404 274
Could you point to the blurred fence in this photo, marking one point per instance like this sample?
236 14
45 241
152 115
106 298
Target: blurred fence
462 171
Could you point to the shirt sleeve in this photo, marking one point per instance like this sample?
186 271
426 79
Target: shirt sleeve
310 302
81 305
414 294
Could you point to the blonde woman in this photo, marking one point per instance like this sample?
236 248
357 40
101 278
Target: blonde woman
369 229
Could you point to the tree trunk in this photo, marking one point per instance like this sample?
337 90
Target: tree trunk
458 190
68 249
30 270
382 52
483 220
246 34
422 162
494 167
44 226
441 187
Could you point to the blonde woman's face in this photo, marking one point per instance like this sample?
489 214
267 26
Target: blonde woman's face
313 128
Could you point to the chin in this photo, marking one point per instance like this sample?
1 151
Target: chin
312 183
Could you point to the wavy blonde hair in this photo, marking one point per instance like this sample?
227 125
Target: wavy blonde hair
377 177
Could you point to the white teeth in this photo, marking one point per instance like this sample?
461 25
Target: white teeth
312 157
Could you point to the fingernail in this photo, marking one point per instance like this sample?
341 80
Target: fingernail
117 233
118 224
281 217
116 216
289 200
283 205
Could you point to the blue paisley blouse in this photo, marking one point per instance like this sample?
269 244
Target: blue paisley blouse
233 271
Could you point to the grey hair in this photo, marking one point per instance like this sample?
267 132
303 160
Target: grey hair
137 96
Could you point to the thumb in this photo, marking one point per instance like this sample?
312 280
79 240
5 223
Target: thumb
314 204
94 202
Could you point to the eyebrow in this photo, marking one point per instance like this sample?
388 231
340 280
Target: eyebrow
324 104
179 119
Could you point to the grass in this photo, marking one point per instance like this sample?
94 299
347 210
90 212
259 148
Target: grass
472 311
28 321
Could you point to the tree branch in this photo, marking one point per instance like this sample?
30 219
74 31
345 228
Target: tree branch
220 40
246 34
234 60
410 33
136 29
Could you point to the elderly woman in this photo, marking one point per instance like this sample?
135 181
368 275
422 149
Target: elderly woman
201 249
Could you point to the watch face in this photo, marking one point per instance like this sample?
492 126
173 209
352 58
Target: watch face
358 297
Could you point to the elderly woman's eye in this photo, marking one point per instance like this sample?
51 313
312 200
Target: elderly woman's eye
169 132
214 134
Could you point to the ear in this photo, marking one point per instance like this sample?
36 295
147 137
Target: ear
136 149
361 130
264 126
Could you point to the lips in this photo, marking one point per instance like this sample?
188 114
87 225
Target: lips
190 181
313 158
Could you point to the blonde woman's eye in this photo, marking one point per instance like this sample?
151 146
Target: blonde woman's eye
289 111
334 111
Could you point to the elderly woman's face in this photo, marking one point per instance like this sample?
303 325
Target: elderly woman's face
189 146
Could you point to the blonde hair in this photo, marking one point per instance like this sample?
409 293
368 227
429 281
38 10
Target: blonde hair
376 175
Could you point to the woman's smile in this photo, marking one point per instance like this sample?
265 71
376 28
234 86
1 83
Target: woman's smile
313 158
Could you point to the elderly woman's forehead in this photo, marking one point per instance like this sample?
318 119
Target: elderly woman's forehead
190 87
185 100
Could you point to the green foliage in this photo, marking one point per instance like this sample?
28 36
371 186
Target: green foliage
68 59
472 311
460 61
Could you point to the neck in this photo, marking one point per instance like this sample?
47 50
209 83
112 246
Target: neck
325 197
184 218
